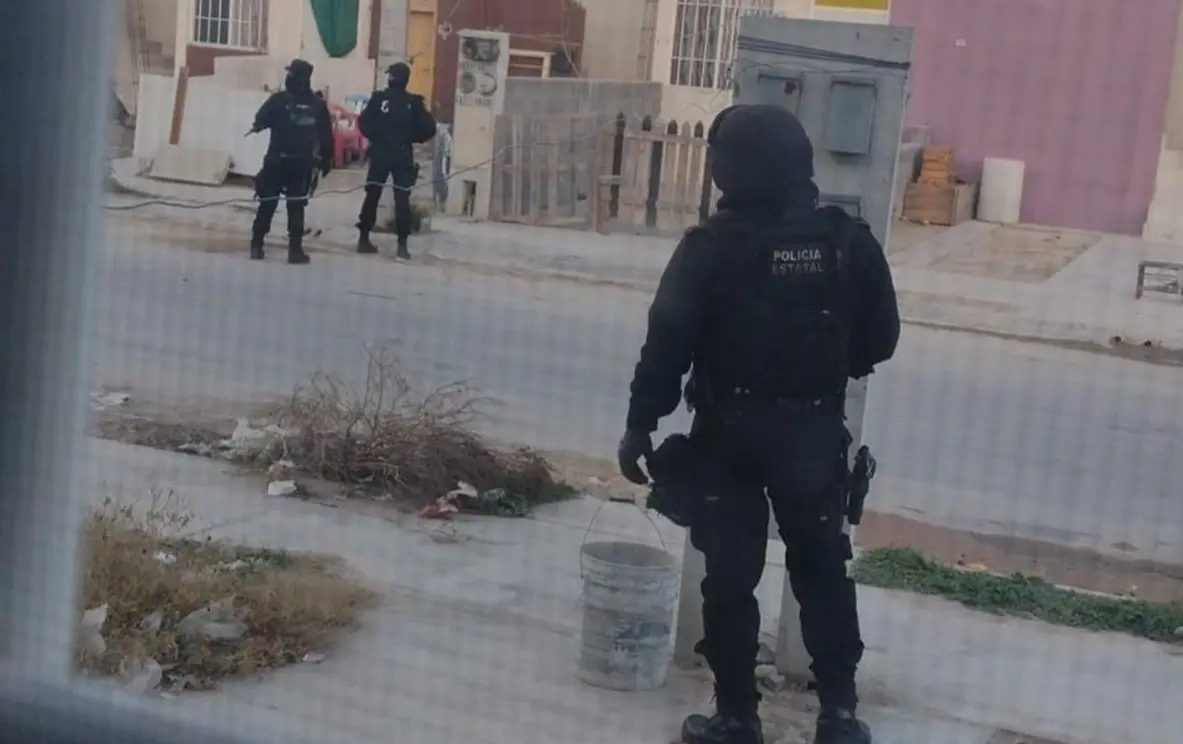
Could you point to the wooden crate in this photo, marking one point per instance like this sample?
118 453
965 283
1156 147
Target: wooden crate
940 203
937 165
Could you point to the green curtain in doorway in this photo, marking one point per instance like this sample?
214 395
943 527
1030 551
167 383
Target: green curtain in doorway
336 20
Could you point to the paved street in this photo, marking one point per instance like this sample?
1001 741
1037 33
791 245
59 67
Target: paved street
975 433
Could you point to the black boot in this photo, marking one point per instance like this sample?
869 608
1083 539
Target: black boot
257 249
840 726
723 728
296 254
364 245
402 248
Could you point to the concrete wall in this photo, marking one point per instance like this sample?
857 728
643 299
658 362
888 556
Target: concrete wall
565 96
612 38
160 18
392 38
291 34
1075 89
153 53
1165 218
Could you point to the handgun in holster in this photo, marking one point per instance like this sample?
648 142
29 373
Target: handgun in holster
675 491
859 485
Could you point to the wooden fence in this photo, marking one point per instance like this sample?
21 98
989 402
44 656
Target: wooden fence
544 169
634 175
652 176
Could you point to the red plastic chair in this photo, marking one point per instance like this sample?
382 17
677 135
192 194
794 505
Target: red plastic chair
349 146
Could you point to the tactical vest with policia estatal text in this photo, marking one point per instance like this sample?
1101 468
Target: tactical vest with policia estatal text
779 322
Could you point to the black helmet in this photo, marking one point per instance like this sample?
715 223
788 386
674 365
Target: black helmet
398 75
300 68
758 148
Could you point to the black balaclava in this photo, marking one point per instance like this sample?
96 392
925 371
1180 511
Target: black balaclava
762 160
299 77
397 76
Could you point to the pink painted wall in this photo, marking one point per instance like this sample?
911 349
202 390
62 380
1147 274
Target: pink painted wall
1076 88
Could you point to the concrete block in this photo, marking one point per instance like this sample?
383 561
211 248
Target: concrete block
190 165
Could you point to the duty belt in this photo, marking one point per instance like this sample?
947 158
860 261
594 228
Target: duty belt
792 404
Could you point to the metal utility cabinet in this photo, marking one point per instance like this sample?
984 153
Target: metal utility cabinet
848 84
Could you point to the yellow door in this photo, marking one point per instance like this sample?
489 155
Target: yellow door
421 52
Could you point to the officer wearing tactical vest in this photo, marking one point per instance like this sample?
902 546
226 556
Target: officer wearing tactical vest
394 120
775 304
301 141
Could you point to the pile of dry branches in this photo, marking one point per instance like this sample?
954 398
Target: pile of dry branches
382 436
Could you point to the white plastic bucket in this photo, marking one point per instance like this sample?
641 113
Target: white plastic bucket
630 592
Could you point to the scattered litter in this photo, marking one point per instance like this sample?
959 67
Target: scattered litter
281 470
90 630
197 448
765 656
164 558
1179 632
465 497
152 622
441 508
977 568
282 488
249 442
141 678
771 679
101 401
313 657
217 621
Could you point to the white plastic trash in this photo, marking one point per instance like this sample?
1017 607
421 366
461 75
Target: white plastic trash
630 592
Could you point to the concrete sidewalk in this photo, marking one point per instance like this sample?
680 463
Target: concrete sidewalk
477 640
1090 299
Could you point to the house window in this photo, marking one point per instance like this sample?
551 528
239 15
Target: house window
705 33
237 24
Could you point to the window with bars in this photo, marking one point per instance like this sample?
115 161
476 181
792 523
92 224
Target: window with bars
705 34
238 24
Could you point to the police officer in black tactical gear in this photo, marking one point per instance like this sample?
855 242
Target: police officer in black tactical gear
774 304
394 120
301 142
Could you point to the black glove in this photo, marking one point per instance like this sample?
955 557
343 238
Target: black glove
633 446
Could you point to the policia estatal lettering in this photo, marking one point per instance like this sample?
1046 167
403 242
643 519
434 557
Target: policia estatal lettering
301 142
775 304
394 121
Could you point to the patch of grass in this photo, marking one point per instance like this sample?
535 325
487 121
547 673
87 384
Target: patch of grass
1018 595
279 606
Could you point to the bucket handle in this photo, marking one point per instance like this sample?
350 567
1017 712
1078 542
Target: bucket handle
591 525
644 513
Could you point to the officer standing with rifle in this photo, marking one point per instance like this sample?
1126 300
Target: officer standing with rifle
394 120
775 304
301 142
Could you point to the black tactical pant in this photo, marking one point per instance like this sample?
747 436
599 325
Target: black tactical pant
793 458
402 174
290 178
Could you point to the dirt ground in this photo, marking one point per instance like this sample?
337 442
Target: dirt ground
145 425
905 234
1018 254
1082 569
